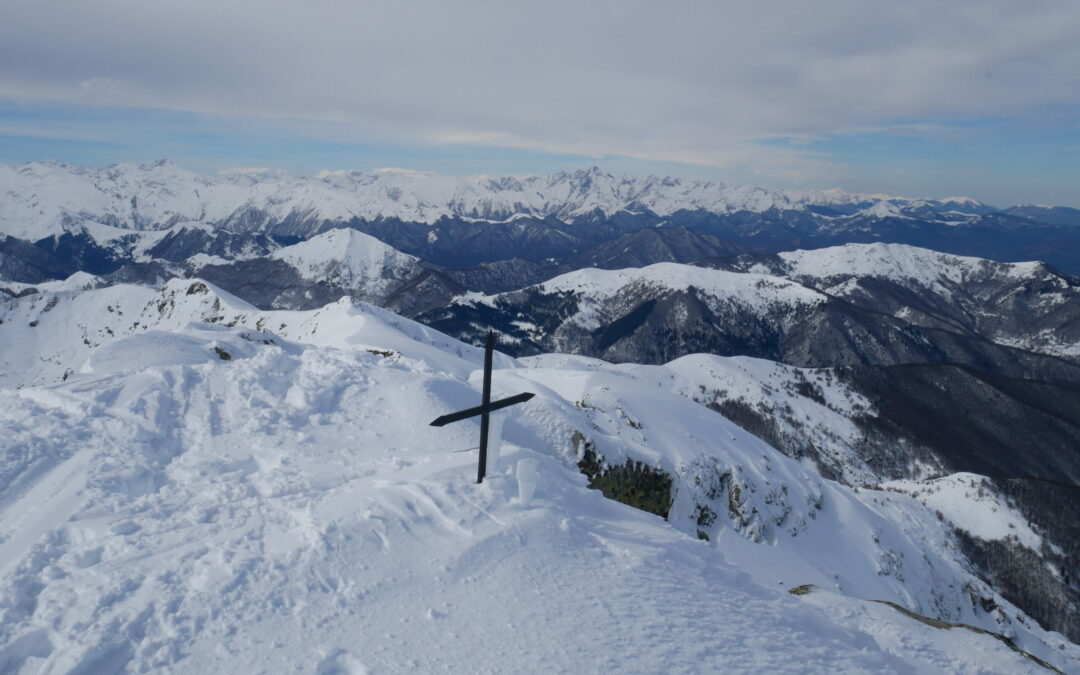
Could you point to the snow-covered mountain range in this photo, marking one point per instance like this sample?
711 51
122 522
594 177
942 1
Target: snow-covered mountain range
763 302
41 199
96 220
192 483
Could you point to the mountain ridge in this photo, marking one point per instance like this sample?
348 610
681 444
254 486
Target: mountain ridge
158 194
462 222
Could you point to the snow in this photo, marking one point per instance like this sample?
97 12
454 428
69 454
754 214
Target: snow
200 260
105 234
349 258
974 285
41 199
215 488
79 281
897 262
52 332
771 388
883 209
892 632
594 287
62 329
526 479
1046 341
969 502
775 390
957 199
673 276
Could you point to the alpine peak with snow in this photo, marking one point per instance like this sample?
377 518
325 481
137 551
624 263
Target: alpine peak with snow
771 431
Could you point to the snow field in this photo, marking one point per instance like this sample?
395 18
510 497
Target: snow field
224 489
224 520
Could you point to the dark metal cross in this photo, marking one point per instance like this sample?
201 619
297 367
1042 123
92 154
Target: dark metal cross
486 407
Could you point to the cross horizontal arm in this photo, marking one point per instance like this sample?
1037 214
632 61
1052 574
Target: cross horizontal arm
479 410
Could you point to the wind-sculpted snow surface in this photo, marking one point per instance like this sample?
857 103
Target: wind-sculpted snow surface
218 489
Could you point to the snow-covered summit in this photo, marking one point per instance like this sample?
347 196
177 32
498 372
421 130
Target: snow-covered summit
64 323
882 209
754 290
1024 304
350 259
960 199
897 262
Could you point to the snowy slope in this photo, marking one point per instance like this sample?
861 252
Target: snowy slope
898 262
811 411
969 501
750 289
47 336
650 314
43 198
601 294
219 488
882 209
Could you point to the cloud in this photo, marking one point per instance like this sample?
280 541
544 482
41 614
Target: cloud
701 82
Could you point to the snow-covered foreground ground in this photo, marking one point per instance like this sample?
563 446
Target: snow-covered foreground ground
217 489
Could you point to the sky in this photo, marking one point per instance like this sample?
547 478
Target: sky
915 98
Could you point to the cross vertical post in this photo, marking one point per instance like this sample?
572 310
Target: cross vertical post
486 407
485 403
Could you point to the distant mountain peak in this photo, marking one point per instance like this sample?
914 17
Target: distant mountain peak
883 209
961 200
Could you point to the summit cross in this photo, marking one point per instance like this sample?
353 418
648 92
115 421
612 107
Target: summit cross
486 407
